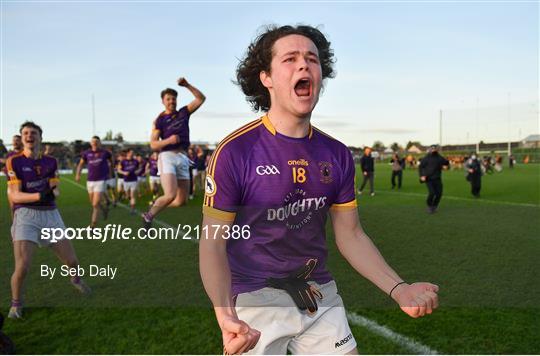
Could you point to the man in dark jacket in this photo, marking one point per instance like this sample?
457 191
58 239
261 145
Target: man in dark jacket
430 173
398 164
367 165
474 176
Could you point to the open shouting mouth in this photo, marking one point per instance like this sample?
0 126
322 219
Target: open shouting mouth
303 87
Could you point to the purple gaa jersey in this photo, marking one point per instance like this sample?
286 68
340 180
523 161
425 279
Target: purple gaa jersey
98 164
34 176
142 165
176 123
153 167
130 166
282 188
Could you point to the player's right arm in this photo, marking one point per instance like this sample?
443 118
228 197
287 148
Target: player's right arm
238 337
120 170
78 170
223 193
15 193
17 196
156 144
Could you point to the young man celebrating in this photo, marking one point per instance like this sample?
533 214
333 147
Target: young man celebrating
99 162
33 188
275 180
170 137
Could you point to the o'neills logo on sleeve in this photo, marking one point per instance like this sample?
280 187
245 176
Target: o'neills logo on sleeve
298 210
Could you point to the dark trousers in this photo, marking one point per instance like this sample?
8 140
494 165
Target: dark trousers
476 185
399 175
367 177
435 192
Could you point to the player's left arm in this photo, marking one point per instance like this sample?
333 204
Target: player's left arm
54 179
199 96
416 299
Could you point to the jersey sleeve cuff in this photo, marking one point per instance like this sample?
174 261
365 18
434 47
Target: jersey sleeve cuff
14 181
54 180
219 214
345 206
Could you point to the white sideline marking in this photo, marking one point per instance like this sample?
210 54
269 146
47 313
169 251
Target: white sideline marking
159 222
393 336
354 318
480 200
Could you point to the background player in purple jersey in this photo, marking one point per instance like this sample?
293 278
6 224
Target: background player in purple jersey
170 137
120 193
130 168
141 176
152 170
110 183
280 177
33 188
99 163
16 142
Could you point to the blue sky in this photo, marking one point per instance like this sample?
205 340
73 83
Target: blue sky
397 65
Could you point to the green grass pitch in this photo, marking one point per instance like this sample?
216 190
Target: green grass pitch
484 254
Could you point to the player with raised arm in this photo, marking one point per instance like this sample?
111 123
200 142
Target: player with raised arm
279 176
170 137
33 188
99 163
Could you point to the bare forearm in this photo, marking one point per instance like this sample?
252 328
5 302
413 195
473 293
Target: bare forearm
366 259
216 277
157 145
78 171
19 197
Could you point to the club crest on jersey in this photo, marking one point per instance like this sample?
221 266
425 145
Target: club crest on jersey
325 169
210 186
267 170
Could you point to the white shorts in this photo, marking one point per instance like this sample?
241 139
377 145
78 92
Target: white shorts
284 327
176 163
120 183
97 186
130 186
111 183
27 225
155 180
141 180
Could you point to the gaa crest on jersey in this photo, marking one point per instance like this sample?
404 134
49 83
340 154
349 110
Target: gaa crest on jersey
210 186
325 169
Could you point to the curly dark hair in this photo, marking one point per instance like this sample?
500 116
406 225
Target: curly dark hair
259 56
